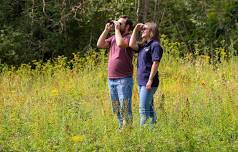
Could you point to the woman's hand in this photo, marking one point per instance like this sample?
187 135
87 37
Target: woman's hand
148 84
139 27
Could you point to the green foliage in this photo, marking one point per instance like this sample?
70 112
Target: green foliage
208 24
11 44
42 30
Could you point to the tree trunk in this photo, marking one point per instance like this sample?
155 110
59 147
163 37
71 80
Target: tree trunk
156 11
146 7
139 11
142 10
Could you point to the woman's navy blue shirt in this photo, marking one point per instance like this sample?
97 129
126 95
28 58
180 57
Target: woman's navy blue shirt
148 53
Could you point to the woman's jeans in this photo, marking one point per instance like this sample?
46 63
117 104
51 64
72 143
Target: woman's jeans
147 105
121 93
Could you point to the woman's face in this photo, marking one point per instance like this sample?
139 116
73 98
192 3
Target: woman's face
145 32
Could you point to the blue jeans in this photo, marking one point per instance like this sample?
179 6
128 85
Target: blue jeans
146 108
121 93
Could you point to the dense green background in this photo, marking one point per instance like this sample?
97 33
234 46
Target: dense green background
40 30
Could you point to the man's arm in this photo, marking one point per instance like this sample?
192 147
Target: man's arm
102 43
119 40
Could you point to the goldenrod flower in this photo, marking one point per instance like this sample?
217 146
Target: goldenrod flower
78 138
54 92
202 82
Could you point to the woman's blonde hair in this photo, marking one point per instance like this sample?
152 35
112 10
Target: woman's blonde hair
154 32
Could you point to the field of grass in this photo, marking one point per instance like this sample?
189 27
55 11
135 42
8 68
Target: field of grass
65 106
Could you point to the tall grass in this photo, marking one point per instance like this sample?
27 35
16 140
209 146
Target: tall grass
64 106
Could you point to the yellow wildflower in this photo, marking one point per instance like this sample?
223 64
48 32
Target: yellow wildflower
54 92
203 82
78 138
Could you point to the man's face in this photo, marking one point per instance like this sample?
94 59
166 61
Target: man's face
122 22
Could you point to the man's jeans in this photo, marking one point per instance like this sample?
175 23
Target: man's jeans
147 105
121 93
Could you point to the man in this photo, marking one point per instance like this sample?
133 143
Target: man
120 68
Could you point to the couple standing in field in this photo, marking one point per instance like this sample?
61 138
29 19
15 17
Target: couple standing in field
121 48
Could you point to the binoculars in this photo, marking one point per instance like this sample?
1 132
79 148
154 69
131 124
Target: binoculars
112 22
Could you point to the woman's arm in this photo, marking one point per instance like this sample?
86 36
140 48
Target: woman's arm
153 71
133 44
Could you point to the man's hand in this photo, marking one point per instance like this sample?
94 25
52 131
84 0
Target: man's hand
108 27
117 25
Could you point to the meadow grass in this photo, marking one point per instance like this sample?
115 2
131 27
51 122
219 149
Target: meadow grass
64 105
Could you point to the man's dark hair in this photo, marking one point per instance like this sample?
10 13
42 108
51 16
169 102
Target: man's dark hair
128 21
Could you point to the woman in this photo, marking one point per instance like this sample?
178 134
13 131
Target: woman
150 54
